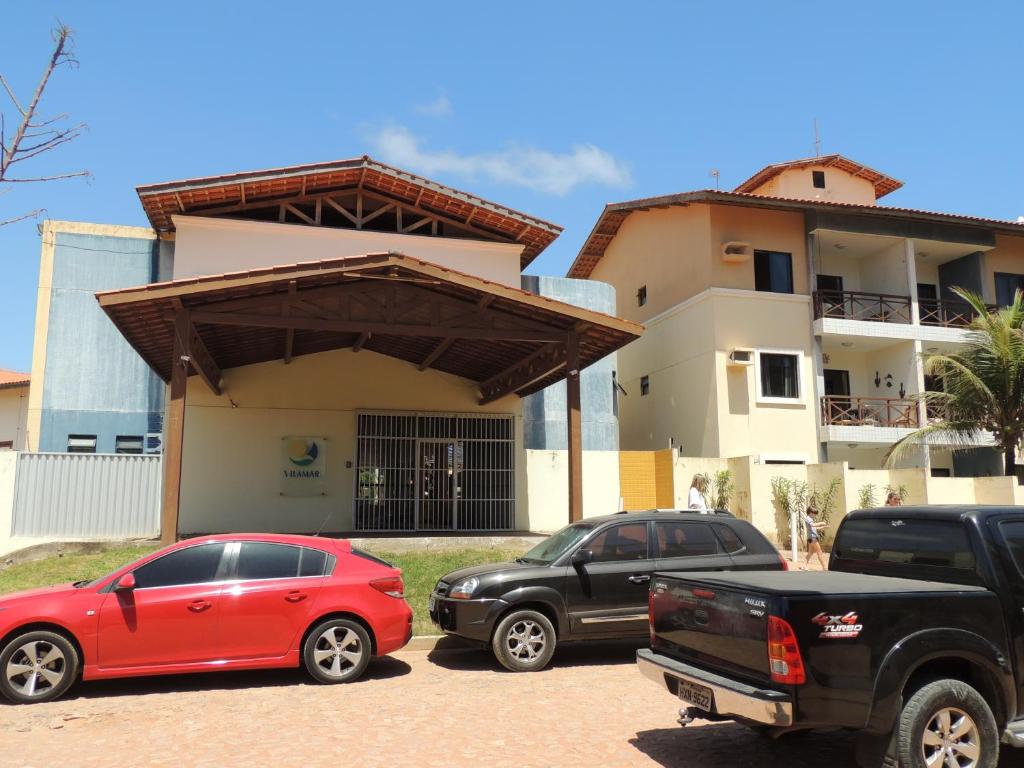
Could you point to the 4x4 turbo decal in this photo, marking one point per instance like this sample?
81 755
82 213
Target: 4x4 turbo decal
840 626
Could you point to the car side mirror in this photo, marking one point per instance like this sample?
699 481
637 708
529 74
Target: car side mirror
582 557
126 582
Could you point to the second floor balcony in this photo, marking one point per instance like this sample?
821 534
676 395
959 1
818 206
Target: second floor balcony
863 305
893 308
948 313
850 411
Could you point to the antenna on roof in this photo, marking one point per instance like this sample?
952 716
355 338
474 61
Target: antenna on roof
817 139
716 175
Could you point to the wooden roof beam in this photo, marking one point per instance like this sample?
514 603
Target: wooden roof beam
540 364
199 357
384 328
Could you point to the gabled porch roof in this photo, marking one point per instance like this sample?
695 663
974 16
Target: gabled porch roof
505 339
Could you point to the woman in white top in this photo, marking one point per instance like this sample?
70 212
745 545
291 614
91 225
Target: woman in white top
696 499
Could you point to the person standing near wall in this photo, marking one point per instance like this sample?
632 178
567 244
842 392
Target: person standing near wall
697 500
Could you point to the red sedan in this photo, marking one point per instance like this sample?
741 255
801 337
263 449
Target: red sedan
244 601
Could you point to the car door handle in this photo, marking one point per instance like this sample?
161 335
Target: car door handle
639 578
198 606
295 597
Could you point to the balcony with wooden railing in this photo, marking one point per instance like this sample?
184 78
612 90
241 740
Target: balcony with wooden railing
948 313
863 305
845 410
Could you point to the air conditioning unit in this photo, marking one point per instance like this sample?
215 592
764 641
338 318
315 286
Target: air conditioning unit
740 356
736 252
154 442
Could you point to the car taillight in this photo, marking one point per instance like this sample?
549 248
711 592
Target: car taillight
393 586
785 563
784 658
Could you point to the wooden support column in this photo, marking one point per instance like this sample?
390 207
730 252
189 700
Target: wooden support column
174 433
575 427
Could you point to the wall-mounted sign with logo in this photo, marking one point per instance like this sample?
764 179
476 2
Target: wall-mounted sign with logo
303 466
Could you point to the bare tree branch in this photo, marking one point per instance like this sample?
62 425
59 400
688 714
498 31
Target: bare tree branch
74 175
3 81
33 128
30 215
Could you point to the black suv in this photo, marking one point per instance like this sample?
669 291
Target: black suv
589 581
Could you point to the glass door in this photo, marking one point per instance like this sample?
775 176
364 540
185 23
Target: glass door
439 469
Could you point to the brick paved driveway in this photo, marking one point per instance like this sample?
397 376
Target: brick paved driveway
414 709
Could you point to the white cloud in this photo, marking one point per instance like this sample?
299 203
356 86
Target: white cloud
439 107
1020 219
536 169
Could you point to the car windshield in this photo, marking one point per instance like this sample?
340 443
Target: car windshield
557 544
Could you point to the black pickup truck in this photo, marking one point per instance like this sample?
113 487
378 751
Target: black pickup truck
914 638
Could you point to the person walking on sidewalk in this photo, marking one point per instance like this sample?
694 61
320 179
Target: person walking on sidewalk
814 526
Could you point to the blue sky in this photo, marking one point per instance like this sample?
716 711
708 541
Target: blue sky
551 108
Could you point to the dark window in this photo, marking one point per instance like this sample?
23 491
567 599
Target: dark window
259 560
927 291
1013 534
641 296
686 540
645 385
830 283
941 472
1006 286
194 565
907 541
6 443
81 443
131 444
773 271
780 375
818 179
729 538
313 562
620 542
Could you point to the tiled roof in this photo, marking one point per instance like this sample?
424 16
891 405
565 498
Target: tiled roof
253 189
615 214
11 379
883 184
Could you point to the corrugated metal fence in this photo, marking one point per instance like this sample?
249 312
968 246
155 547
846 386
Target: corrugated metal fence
86 495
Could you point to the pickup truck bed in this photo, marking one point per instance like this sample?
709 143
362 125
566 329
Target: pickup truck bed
914 637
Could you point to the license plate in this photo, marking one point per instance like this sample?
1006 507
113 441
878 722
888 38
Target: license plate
430 604
697 695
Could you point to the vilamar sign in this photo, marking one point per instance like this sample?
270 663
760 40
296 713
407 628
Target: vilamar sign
303 466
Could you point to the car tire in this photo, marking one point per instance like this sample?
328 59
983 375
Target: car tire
37 666
524 641
337 651
947 715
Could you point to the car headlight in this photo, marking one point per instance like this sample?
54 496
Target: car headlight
463 590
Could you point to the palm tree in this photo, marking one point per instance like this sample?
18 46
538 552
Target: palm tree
982 385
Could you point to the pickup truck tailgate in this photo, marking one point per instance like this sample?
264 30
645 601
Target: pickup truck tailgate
711 624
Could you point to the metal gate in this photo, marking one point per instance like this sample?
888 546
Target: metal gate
434 472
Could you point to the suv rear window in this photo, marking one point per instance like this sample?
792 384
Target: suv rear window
910 542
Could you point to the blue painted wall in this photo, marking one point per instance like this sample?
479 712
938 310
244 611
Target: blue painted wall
94 382
544 416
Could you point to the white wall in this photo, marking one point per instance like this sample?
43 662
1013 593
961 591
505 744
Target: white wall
547 487
206 246
13 415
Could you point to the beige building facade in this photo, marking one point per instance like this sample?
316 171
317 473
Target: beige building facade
788 320
14 389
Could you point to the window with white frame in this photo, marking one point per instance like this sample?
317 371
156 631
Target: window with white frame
778 376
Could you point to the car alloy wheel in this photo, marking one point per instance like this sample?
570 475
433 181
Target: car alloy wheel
525 640
951 740
338 651
36 669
